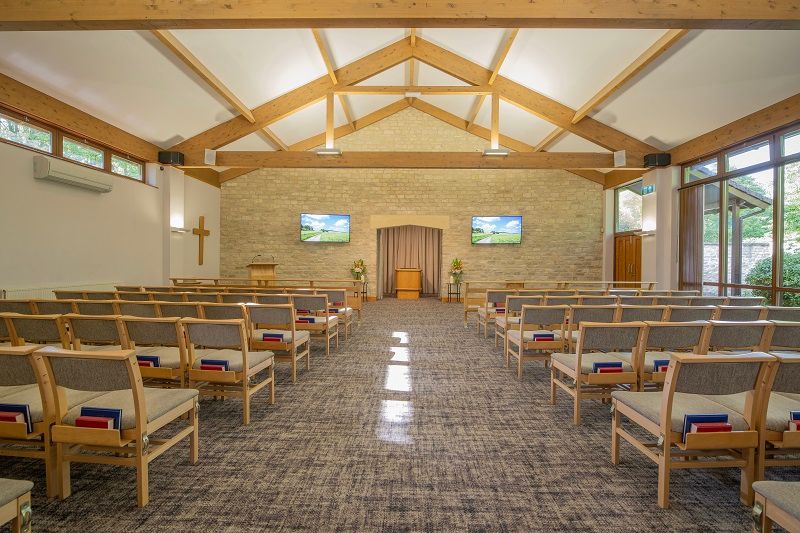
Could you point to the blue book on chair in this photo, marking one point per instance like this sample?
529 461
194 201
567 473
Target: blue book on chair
688 420
104 412
610 364
19 408
793 415
658 363
216 362
154 360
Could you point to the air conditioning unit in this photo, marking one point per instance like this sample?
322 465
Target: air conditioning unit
59 171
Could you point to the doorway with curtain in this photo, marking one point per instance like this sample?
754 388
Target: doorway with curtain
409 247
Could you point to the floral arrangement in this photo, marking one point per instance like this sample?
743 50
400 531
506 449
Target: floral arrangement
359 269
456 270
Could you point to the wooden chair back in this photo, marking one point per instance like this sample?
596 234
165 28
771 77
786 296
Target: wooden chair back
94 330
274 299
514 304
22 307
640 313
637 300
785 337
561 300
598 300
143 309
734 313
96 307
745 300
707 300
746 336
687 313
70 295
179 309
100 295
134 296
673 300
36 329
785 314
207 297
53 307
237 297
170 296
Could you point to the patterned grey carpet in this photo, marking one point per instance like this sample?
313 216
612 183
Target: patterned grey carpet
413 425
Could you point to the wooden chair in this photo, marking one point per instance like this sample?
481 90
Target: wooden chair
91 333
551 299
22 382
785 314
36 329
738 337
53 307
734 313
492 306
274 299
337 299
179 310
96 307
142 309
586 313
637 300
584 381
161 337
211 311
697 384
317 319
598 300
779 502
115 374
279 320
473 300
659 340
684 313
70 295
511 318
171 296
208 297
640 313
134 296
15 504
684 293
22 307
674 300
745 301
227 340
521 342
707 300
236 297
129 288
100 295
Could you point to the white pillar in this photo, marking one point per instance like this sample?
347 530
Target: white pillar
660 227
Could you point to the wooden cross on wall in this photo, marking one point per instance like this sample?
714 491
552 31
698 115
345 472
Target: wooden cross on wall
202 233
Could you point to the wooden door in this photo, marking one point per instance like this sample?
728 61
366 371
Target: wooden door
627 258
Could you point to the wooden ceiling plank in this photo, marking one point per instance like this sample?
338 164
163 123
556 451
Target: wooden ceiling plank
295 100
190 60
216 14
443 160
656 50
329 133
765 120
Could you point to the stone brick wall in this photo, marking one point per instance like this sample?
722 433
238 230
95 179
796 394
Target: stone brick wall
562 213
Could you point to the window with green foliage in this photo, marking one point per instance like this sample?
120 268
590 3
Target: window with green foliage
629 207
20 132
126 167
83 153
750 218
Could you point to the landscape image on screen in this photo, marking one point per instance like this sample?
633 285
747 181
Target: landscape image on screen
497 230
324 228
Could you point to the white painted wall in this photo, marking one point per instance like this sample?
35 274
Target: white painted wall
199 199
54 235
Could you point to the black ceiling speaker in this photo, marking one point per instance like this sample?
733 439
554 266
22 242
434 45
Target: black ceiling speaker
657 160
170 158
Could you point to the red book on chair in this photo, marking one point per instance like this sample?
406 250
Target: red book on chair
100 422
609 370
710 427
9 416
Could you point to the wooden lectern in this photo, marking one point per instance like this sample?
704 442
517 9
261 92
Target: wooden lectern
408 283
262 270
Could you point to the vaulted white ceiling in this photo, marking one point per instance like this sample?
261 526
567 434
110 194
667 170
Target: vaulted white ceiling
133 81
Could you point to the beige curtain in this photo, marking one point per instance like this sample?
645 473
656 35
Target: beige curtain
411 247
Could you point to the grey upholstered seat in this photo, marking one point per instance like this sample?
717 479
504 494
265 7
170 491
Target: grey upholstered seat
33 399
169 356
501 321
784 495
513 334
299 336
570 360
649 358
12 389
318 319
158 402
648 404
11 489
234 358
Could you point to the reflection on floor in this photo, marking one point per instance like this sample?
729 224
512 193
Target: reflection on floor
413 425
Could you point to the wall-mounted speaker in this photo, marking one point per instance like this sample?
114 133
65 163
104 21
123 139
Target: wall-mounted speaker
657 160
170 158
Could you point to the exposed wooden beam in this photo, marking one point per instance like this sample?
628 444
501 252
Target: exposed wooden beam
770 118
547 141
208 14
484 133
329 133
494 139
275 141
615 178
402 89
515 160
206 175
326 58
295 100
546 108
190 60
667 41
500 58
413 36
360 123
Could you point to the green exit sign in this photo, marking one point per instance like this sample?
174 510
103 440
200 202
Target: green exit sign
648 189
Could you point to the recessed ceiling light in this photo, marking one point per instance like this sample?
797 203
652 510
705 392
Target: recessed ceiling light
495 152
329 151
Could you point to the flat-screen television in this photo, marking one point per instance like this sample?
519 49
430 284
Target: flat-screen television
324 228
497 230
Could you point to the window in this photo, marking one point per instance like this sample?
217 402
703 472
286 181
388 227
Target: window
629 207
20 132
740 228
126 167
83 153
